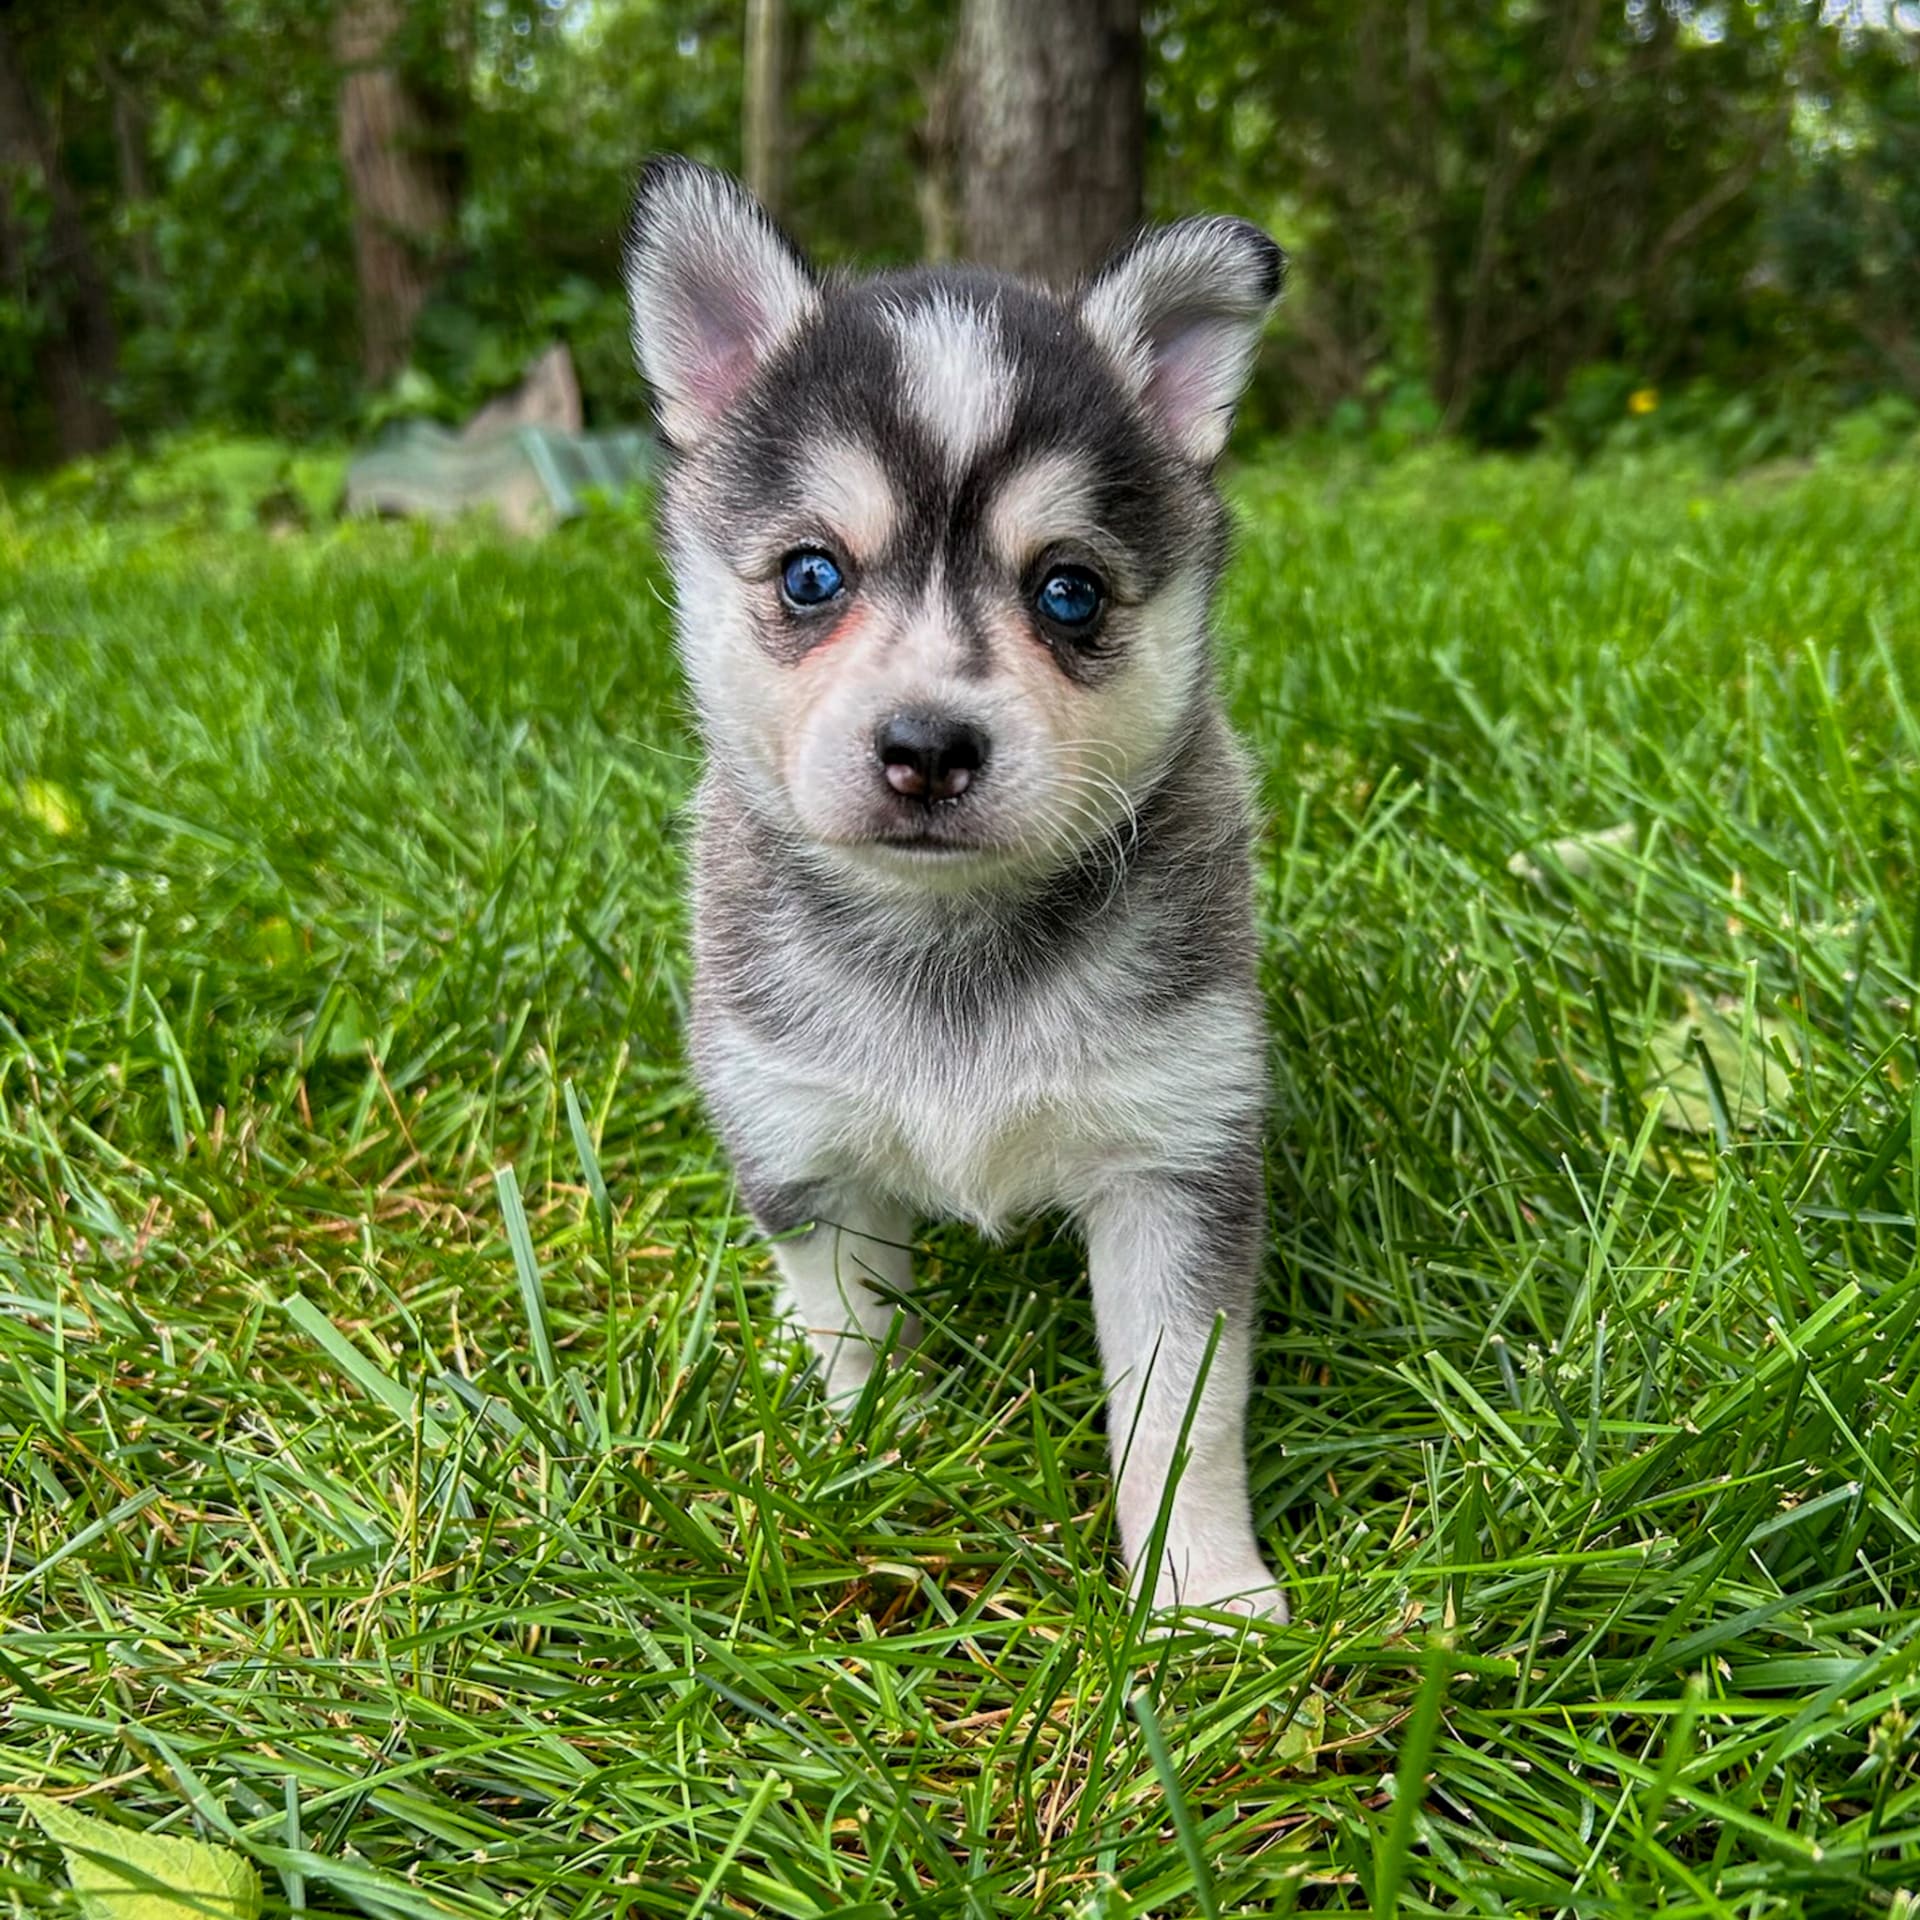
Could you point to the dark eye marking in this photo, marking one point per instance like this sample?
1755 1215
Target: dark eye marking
1070 600
810 577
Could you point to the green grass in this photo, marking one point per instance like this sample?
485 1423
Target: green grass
405 1478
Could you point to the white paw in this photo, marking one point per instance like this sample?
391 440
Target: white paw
1244 1589
848 1360
846 1365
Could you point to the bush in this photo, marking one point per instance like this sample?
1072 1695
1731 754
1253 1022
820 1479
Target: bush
224 483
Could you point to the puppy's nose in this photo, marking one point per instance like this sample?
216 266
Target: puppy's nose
928 757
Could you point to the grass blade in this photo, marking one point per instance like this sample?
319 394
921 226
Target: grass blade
1394 1852
533 1287
1185 1830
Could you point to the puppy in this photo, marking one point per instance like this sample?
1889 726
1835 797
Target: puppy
972 905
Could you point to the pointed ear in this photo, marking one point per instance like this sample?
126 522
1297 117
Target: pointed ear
1180 311
714 288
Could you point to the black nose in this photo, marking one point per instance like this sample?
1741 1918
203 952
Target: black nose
926 757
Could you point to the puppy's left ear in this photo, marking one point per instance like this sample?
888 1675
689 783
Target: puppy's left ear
1180 312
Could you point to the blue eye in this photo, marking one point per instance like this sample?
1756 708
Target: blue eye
810 578
1070 597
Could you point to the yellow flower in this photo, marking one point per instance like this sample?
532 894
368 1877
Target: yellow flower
1643 400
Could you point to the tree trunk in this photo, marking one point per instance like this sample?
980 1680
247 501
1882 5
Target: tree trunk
402 199
936 153
77 355
763 131
136 194
1053 132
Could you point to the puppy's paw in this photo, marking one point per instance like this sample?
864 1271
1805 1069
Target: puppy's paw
1243 1589
848 1360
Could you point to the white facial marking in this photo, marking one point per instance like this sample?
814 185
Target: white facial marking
845 489
1128 726
958 383
931 649
1050 498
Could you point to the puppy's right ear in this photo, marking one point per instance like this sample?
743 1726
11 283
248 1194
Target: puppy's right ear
714 288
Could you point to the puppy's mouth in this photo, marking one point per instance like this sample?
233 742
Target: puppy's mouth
920 850
933 844
947 830
927 844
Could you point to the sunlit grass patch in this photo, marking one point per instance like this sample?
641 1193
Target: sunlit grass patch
453 1541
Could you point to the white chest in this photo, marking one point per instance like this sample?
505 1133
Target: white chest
992 1125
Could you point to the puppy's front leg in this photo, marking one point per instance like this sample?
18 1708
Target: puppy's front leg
842 1277
1167 1254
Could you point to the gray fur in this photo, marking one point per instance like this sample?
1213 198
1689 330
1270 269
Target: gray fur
1045 998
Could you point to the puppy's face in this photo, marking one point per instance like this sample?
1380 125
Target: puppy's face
943 543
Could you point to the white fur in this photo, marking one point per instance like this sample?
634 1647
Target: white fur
955 377
713 292
1163 1381
844 490
1062 1114
1050 498
1134 717
732 687
1180 314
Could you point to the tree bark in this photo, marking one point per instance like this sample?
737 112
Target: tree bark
1052 134
403 201
936 154
130 149
78 354
763 128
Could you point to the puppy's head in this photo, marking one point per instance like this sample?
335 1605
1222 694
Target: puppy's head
943 542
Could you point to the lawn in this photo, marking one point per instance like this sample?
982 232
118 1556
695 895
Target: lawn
406 1480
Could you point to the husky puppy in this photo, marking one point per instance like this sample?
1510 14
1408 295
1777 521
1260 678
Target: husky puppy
972 905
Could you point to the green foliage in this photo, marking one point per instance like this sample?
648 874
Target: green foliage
457 1541
1885 429
1491 201
1847 227
1610 411
251 323
564 104
1488 210
118 1874
221 483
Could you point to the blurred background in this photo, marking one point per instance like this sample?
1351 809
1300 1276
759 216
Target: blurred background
1559 221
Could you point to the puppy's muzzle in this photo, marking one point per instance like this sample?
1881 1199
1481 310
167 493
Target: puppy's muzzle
929 757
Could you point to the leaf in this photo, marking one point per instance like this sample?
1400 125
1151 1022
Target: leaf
1393 1849
1299 1743
1573 856
274 941
1742 1062
375 1382
51 805
533 1289
118 1874
349 1031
